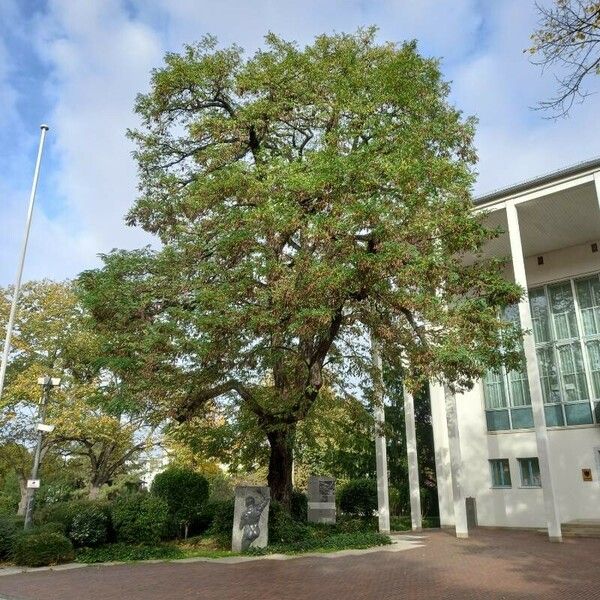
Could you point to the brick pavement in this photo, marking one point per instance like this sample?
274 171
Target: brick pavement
491 565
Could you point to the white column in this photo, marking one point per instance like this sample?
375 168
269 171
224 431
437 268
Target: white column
413 461
597 184
533 375
383 500
458 495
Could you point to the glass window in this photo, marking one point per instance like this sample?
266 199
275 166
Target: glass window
539 315
548 374
588 296
494 393
572 372
562 308
530 472
500 470
593 351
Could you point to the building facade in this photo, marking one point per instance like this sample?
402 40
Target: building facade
522 448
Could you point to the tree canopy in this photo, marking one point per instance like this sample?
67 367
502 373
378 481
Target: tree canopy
304 198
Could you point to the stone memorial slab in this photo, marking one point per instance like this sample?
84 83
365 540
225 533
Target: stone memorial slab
321 500
250 518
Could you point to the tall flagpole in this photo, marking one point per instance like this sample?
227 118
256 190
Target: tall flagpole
15 298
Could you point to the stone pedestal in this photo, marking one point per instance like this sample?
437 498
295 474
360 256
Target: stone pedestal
250 518
321 500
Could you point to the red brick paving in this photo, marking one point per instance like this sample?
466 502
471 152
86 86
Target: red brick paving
491 565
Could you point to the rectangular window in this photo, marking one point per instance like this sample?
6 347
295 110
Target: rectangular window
530 472
588 296
500 471
562 308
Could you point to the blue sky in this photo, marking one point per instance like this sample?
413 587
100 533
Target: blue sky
78 64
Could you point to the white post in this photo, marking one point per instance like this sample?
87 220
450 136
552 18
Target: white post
383 500
413 460
15 298
458 496
597 184
533 374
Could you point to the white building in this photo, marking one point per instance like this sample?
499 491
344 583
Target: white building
523 449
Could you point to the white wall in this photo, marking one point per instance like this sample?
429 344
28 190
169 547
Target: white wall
571 448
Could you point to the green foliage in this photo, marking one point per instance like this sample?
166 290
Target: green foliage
185 491
222 522
302 196
359 497
126 552
89 527
283 529
42 548
10 528
140 518
299 506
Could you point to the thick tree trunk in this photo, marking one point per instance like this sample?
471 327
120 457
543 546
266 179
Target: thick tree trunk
23 501
281 459
94 491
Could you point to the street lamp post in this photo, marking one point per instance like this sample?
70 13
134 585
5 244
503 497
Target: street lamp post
33 484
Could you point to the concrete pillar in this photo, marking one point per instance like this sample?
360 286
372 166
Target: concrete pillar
413 461
533 375
458 495
383 499
597 184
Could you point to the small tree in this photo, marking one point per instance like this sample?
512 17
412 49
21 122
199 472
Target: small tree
186 493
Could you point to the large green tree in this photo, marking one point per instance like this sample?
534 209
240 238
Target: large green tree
304 197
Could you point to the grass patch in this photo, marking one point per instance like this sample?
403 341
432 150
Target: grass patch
404 523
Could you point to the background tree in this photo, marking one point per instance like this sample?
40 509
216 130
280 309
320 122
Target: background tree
303 197
91 412
568 41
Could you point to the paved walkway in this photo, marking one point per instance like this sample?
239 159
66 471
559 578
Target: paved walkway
490 565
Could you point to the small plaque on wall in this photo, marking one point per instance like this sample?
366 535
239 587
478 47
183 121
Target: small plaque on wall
586 474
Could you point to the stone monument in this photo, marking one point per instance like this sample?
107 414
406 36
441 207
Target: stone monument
321 500
250 518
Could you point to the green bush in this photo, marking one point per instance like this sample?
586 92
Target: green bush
185 493
282 528
126 552
140 518
352 524
89 527
222 522
8 505
10 528
299 506
39 549
359 497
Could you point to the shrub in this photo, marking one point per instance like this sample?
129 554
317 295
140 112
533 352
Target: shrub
282 528
140 518
39 549
8 505
359 497
89 527
299 506
126 552
185 493
222 522
10 528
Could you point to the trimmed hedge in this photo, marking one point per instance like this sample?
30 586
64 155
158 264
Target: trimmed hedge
10 529
185 492
39 549
359 497
89 527
140 518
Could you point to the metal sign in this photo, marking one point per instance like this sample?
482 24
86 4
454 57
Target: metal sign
33 484
45 428
586 474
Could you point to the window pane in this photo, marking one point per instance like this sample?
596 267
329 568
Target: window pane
497 420
593 350
588 295
522 418
530 472
554 415
519 388
572 372
493 390
539 315
500 472
548 375
578 414
563 311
